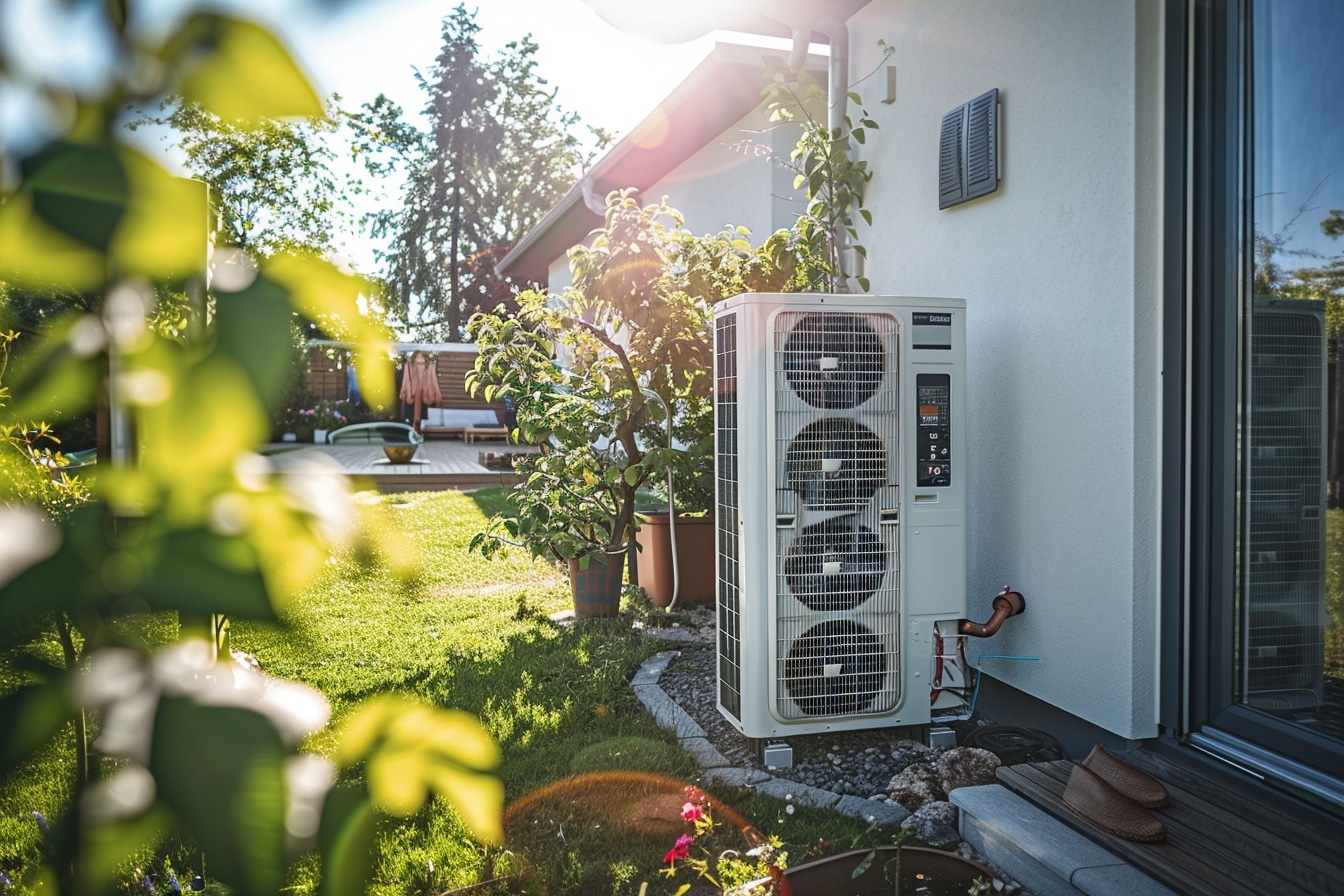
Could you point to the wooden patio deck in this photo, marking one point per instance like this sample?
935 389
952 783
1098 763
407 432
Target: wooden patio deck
439 464
1224 836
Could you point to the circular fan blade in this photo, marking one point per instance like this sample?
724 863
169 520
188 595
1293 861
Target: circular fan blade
836 464
835 565
835 668
834 360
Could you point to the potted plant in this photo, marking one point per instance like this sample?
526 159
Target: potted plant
676 541
892 869
575 503
592 376
637 265
674 301
714 851
663 282
324 417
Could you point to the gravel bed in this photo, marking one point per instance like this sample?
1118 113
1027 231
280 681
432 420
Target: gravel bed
856 763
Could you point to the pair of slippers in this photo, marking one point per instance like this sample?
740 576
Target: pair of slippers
1115 796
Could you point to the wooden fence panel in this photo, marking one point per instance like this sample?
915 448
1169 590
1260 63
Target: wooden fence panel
327 377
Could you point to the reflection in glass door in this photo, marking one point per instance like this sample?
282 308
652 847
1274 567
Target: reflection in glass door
1288 627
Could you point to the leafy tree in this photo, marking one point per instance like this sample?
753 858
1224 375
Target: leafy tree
29 464
1326 279
834 181
29 311
278 186
630 343
195 522
273 186
1322 281
496 154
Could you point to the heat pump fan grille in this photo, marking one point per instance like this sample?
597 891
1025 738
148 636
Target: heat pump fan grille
727 501
1285 651
834 360
836 464
1283 563
835 565
835 668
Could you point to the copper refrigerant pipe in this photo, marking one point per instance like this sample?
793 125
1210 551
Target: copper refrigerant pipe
1006 603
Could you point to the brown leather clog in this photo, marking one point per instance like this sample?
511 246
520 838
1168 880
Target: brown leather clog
1101 804
1139 786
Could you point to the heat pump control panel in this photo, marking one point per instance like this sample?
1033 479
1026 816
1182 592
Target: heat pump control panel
934 430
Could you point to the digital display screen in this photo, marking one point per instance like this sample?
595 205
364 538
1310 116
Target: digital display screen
932 391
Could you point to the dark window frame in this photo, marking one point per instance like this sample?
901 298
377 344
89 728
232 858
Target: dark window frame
1206 252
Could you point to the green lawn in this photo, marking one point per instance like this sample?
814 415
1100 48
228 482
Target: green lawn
1334 592
475 635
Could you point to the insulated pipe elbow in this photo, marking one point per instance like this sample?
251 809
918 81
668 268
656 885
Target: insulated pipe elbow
1007 603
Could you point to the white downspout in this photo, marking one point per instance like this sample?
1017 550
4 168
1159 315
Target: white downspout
837 88
837 103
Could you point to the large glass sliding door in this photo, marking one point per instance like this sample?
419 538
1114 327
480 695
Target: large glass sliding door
1263 330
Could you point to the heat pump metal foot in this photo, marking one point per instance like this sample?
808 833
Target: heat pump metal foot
773 754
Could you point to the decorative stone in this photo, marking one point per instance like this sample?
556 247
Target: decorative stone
916 785
966 767
934 824
908 752
871 811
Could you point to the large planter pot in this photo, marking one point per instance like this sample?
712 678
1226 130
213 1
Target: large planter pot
696 559
597 588
930 872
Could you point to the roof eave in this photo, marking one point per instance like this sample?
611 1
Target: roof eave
718 93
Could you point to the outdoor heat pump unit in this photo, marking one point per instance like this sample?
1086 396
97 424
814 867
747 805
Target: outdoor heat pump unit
1283 616
840 509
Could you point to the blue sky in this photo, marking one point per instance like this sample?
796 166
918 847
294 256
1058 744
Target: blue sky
1299 133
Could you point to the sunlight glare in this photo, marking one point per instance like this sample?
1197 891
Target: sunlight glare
126 794
25 539
664 21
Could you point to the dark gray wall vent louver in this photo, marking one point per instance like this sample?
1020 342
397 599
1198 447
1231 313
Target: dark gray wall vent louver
968 151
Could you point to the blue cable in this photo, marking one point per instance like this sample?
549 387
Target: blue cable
975 694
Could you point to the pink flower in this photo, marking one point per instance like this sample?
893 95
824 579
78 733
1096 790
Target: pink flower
692 812
693 793
681 850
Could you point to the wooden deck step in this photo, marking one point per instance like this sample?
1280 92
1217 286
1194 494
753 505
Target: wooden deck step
1220 842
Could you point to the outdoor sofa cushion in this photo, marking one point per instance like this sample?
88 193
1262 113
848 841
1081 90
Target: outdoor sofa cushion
456 421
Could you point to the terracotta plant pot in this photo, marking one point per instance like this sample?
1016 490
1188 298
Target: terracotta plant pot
597 589
929 872
695 554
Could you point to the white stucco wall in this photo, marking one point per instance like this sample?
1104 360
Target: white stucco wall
1060 272
558 276
734 181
